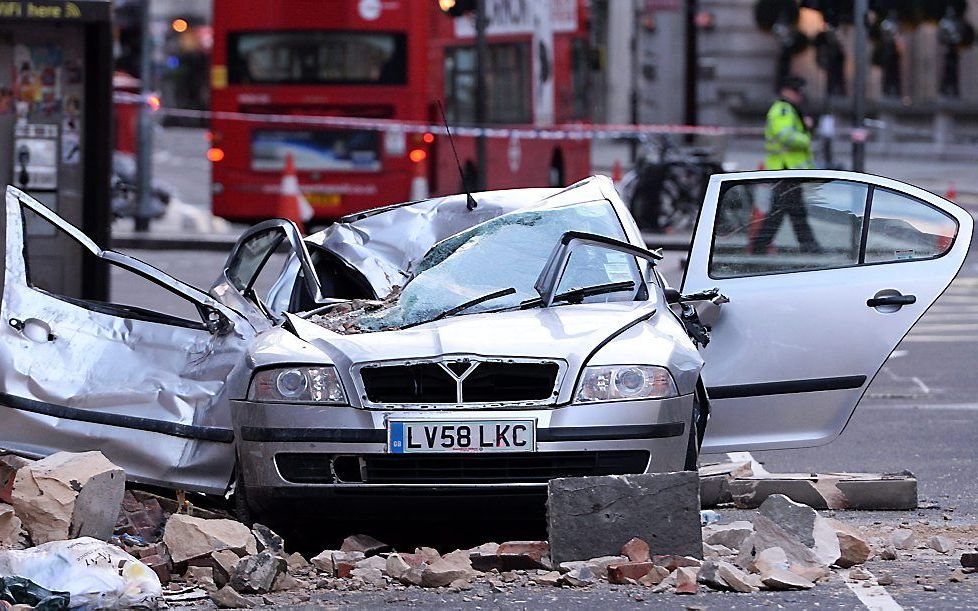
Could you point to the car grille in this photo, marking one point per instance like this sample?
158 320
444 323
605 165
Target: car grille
537 467
437 382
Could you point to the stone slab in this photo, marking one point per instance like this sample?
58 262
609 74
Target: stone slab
862 491
588 517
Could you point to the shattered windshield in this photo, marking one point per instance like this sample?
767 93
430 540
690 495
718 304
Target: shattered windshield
504 253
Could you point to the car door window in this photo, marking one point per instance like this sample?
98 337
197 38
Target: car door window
258 261
904 229
252 254
778 226
133 296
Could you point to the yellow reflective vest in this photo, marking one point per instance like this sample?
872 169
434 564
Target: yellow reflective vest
787 141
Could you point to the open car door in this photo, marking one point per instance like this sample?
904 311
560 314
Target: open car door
147 387
826 272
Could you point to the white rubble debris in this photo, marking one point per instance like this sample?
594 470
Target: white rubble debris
68 495
728 535
12 533
187 537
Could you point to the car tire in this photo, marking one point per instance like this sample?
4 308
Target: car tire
693 440
692 452
241 508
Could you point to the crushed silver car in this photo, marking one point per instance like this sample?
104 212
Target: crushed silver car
441 345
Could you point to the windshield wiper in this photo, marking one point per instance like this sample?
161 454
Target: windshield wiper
468 304
576 296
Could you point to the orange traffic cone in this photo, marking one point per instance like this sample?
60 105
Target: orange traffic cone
616 171
292 204
756 220
952 193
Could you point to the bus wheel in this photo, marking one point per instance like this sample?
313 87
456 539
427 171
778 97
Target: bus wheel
556 175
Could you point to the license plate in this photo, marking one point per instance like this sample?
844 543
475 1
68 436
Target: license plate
323 200
408 436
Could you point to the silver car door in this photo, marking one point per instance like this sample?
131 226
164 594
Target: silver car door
826 272
148 388
253 260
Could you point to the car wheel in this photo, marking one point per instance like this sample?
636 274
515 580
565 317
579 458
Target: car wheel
693 440
241 508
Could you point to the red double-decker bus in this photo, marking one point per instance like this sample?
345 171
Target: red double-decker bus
388 59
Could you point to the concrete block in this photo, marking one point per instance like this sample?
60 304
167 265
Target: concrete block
68 495
589 517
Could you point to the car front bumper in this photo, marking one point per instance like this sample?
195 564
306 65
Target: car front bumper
306 450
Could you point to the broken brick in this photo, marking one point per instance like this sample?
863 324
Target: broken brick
621 573
9 464
686 580
969 560
672 562
636 550
525 554
362 543
160 565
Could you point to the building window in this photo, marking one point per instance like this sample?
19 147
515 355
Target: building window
507 84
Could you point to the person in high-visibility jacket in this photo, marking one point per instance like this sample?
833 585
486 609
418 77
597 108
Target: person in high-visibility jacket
787 135
788 144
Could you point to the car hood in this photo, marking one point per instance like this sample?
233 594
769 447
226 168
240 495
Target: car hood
569 333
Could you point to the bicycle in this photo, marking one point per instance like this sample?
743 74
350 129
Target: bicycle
665 189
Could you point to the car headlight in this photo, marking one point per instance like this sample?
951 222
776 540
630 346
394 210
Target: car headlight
298 385
625 382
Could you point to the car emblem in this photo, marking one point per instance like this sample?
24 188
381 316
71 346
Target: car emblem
459 370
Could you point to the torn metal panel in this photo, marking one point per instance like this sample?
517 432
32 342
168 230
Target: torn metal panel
153 397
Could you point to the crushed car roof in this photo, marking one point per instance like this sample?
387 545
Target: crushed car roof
383 243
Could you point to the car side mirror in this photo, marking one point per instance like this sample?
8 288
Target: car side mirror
217 323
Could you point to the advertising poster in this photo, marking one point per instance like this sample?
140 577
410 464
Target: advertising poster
316 150
37 80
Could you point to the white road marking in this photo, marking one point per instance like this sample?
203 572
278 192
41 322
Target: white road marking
899 353
931 316
937 326
874 597
920 384
954 407
940 338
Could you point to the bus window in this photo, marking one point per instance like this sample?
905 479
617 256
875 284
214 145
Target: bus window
317 57
581 79
507 84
